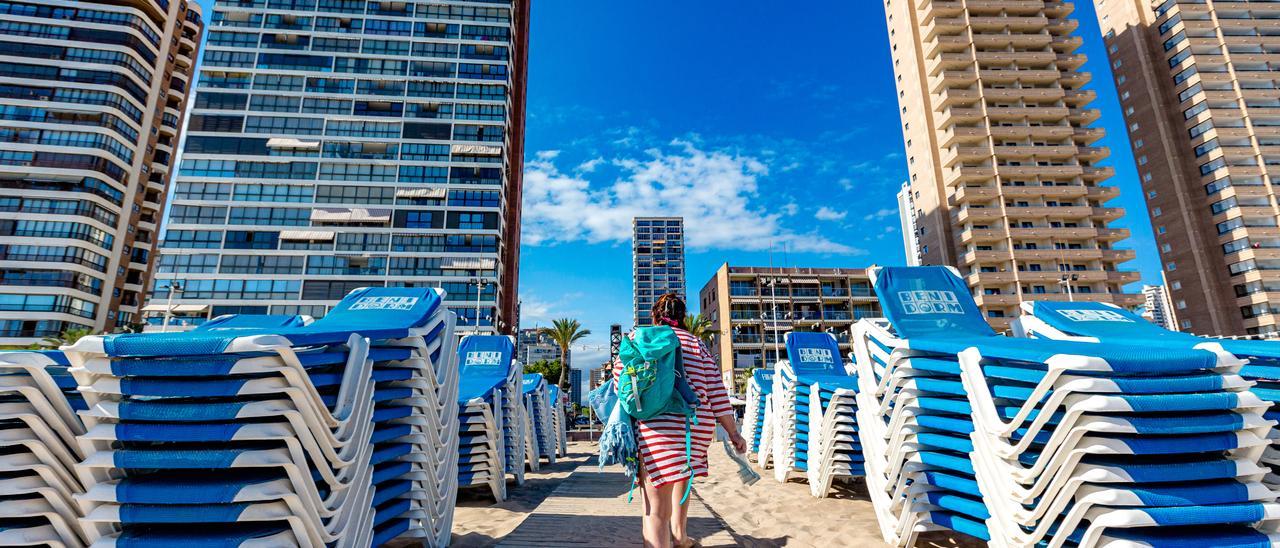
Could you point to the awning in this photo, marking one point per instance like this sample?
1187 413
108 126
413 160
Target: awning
351 215
306 235
421 193
176 308
476 149
804 281
285 142
467 263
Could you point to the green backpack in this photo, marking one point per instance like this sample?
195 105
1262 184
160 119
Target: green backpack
652 366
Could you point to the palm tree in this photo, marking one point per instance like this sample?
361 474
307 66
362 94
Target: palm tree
67 337
699 326
565 332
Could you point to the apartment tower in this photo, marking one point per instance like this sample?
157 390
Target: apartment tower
91 102
907 217
338 144
753 308
1004 175
657 252
1197 83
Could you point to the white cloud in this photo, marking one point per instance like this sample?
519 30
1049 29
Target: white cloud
881 214
717 193
590 166
825 213
548 155
790 208
846 183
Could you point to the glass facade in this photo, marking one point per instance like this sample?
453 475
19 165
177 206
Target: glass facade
658 255
338 144
90 99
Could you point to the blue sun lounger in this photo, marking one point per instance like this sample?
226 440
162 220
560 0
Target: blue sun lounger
491 414
1066 436
757 415
39 450
261 430
541 432
556 404
1107 323
815 430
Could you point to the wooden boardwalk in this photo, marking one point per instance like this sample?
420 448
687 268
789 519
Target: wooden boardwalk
590 509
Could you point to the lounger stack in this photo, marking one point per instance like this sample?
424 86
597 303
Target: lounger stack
914 423
39 452
815 411
342 432
758 388
490 400
1107 323
538 441
555 402
1086 444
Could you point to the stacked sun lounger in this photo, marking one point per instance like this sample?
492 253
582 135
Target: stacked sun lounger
556 403
757 412
1075 443
39 451
541 434
490 447
914 421
814 411
342 432
1107 323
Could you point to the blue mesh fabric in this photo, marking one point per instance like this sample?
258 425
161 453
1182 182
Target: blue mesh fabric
1207 515
204 513
136 386
1151 445
1185 494
177 459
1182 402
189 536
189 488
178 432
1194 537
179 412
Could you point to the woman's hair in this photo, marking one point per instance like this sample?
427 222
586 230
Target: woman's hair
669 306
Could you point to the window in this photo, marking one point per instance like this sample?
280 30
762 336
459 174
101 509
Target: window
193 239
1175 285
199 263
1170 266
261 264
332 290
334 194
1186 324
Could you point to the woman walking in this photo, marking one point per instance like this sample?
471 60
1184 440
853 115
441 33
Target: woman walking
664 470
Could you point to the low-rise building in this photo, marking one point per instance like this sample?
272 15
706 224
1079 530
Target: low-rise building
752 308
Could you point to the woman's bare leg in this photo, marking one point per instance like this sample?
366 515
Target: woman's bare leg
679 514
657 514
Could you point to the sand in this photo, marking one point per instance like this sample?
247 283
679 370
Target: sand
785 514
478 521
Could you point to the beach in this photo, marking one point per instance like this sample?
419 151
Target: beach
786 514
763 515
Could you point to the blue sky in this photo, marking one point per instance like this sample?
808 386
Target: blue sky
765 127
759 124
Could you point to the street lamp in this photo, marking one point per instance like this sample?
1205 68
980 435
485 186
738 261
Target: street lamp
480 284
1066 281
174 287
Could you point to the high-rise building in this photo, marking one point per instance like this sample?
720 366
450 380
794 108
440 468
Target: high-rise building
907 216
532 345
338 144
1157 306
657 249
575 386
91 100
1197 83
1003 172
752 309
